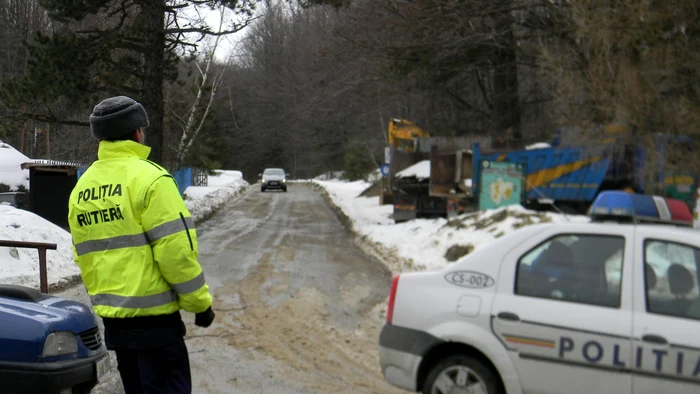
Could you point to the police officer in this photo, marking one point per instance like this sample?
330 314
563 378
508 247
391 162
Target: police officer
135 243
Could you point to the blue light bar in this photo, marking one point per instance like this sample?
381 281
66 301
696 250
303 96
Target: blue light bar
623 206
613 204
644 206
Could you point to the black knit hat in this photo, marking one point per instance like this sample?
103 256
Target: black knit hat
117 116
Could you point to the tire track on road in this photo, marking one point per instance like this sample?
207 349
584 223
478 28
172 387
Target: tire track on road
295 306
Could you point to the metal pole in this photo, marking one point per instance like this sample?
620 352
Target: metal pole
43 280
42 248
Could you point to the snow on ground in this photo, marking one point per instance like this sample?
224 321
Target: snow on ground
420 170
426 241
374 176
538 145
21 266
223 186
11 174
330 175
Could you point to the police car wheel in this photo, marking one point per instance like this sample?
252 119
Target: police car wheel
461 374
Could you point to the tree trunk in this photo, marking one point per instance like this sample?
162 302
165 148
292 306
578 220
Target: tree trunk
506 115
152 83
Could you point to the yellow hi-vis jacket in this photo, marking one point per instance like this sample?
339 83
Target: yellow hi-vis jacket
133 237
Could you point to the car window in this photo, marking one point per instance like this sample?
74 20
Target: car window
575 268
274 172
671 276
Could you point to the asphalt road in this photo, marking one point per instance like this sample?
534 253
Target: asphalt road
296 301
293 297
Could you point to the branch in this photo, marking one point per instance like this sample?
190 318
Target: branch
230 103
204 76
214 87
185 145
132 46
174 8
127 89
209 32
460 100
483 89
175 42
52 119
123 69
200 30
124 15
176 115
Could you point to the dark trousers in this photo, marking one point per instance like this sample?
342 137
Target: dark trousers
151 354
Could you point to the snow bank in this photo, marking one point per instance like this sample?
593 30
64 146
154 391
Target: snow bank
202 201
330 175
420 170
538 145
426 241
20 266
374 176
11 174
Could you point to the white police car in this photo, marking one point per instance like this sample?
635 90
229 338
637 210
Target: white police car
610 306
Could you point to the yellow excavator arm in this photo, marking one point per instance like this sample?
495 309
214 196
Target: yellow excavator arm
402 134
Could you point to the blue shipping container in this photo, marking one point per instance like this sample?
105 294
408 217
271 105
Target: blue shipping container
579 173
183 178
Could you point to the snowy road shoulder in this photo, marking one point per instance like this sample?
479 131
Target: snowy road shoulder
426 244
11 173
20 266
203 201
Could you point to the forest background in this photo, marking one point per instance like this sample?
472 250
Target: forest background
310 85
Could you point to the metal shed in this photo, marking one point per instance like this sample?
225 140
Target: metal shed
50 185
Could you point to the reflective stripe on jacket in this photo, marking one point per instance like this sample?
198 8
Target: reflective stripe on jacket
133 237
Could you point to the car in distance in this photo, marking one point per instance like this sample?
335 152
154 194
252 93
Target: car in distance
48 344
273 178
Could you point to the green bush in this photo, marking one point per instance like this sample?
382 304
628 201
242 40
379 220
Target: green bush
357 163
210 164
6 189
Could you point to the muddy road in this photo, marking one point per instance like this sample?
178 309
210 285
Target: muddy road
299 307
296 300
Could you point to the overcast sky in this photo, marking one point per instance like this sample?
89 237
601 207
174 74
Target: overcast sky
212 18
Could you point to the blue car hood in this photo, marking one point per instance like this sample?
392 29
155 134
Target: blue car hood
56 313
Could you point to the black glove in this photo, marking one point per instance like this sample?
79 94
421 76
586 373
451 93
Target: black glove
204 319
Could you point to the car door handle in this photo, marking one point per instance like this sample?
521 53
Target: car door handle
655 339
508 316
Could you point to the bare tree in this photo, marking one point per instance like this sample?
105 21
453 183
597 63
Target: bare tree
195 121
112 48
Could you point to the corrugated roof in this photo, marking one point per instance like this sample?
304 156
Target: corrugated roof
51 163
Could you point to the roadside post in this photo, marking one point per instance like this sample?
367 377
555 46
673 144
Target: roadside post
42 248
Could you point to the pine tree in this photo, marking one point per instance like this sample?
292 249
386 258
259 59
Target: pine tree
105 47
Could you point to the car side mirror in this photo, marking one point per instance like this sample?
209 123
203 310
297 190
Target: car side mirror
259 174
287 175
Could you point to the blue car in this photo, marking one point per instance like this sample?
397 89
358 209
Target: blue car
48 344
